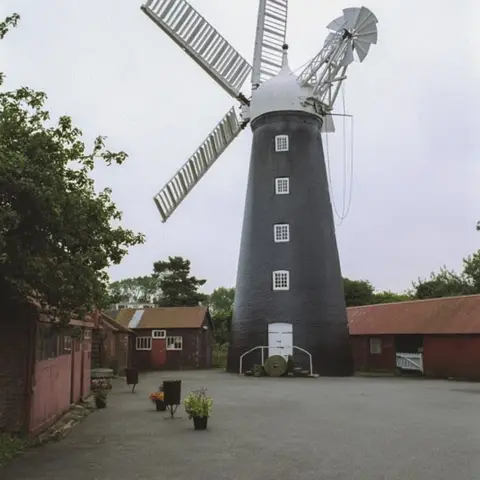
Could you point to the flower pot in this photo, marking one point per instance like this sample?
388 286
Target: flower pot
200 423
160 405
100 402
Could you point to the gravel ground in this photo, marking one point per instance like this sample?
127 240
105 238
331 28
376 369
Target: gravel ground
265 428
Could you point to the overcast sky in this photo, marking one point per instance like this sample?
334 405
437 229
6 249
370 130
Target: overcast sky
415 100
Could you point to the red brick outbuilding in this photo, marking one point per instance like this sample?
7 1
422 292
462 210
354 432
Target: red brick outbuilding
443 334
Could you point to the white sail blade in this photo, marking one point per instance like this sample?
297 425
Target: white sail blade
351 16
182 183
186 27
338 24
270 38
365 17
362 49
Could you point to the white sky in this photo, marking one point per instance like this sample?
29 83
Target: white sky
415 100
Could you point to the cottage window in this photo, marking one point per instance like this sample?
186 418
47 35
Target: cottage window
281 143
143 343
282 186
159 333
174 343
281 280
281 232
375 346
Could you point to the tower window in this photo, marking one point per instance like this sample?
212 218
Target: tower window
281 143
281 232
281 280
282 186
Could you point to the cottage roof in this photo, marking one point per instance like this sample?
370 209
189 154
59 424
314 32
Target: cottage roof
107 320
162 318
449 315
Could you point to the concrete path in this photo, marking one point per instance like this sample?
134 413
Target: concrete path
271 429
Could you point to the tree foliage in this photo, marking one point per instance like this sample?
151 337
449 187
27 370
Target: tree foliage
135 290
358 292
220 303
178 287
56 233
390 297
447 283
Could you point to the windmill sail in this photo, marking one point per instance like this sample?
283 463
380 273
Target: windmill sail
181 22
182 183
271 36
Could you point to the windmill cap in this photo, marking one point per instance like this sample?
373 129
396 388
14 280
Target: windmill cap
280 93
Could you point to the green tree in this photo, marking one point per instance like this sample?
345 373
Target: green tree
135 290
56 233
358 292
471 271
220 303
390 297
445 283
177 286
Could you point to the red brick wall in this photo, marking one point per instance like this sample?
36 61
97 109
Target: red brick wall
385 361
15 353
456 356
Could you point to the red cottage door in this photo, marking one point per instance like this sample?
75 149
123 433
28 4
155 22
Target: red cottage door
159 353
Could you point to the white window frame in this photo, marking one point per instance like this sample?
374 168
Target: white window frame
143 343
281 233
277 277
282 186
175 343
282 143
159 334
375 346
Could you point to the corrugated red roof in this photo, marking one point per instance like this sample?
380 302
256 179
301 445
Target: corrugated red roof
450 315
162 318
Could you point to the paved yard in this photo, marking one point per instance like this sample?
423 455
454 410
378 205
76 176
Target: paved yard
262 428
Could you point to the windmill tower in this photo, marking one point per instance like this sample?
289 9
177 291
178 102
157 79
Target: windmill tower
289 291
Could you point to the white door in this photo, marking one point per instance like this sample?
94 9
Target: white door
280 339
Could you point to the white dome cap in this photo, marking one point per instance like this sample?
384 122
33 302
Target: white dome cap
280 93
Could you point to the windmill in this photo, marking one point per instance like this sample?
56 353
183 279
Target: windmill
289 291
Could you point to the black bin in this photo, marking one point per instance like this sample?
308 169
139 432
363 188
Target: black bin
132 376
172 390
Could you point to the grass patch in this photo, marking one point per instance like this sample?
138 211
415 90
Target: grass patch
10 447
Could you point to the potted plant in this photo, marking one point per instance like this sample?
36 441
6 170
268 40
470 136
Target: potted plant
101 398
158 399
100 388
199 407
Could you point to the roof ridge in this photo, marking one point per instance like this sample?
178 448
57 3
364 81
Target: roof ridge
418 300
